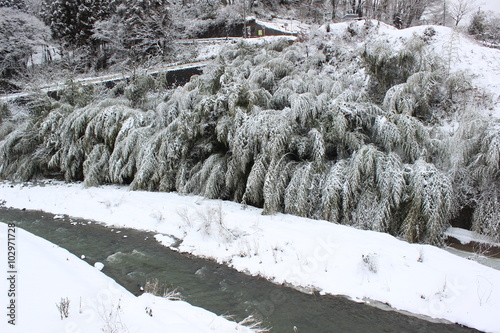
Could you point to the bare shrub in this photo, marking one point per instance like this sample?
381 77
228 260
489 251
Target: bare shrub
112 319
63 307
252 323
213 224
184 215
154 287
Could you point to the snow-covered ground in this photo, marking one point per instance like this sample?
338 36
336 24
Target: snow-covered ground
286 26
467 236
308 254
47 273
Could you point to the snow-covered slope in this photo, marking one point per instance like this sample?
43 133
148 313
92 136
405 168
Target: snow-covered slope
460 52
309 254
47 273
463 54
286 26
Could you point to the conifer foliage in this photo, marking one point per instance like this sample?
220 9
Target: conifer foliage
73 20
136 28
17 4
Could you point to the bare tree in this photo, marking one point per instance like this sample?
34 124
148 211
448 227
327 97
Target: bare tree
334 8
406 12
460 8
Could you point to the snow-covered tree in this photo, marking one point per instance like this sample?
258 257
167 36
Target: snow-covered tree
460 8
485 26
72 21
430 203
474 158
137 28
148 25
20 34
17 4
292 129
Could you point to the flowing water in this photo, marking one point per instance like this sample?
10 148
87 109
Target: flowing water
132 257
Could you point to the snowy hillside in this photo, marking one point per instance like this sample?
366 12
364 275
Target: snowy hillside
459 52
47 274
308 254
359 124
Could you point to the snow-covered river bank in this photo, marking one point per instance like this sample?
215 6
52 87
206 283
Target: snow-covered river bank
52 290
132 257
314 255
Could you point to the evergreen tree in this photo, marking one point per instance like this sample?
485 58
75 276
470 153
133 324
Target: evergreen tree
73 20
137 29
148 26
477 26
17 4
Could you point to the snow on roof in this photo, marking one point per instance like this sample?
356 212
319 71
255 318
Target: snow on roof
286 26
467 236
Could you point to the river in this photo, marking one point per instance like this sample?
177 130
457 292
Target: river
132 257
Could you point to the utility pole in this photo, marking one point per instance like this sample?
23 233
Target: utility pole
245 19
444 12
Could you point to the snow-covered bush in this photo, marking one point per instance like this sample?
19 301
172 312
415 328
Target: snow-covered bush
76 94
389 68
485 27
474 157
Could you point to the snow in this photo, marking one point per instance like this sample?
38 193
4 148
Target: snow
99 265
308 254
467 236
47 273
286 26
464 54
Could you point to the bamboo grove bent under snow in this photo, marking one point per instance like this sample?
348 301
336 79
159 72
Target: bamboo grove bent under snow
330 128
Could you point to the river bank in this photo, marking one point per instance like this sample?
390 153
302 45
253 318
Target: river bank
52 290
313 255
132 257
